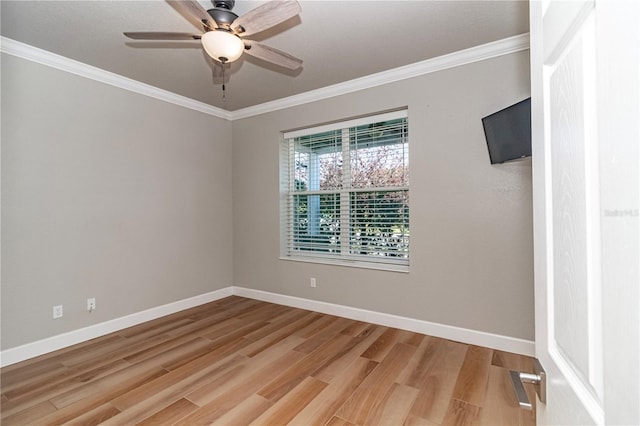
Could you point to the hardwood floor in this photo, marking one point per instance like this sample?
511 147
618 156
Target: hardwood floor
239 361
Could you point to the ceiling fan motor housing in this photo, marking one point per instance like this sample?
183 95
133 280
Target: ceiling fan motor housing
222 14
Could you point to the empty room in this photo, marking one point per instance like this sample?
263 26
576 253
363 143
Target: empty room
319 212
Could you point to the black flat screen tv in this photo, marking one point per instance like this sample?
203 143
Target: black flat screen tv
508 132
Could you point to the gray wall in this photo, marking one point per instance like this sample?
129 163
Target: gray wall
113 195
106 194
471 222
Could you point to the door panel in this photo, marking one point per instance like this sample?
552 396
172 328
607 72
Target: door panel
570 295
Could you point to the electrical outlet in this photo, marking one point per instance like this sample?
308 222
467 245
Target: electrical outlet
312 282
91 304
57 311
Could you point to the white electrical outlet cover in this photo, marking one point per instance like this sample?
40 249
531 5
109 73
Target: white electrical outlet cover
57 311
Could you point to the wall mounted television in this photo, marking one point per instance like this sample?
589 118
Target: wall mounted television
508 132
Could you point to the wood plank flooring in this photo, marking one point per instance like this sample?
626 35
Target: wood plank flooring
238 361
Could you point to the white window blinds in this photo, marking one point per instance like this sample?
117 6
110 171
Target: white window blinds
345 191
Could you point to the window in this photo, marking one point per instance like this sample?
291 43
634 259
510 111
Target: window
345 193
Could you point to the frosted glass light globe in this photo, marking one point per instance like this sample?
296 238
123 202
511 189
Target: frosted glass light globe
222 45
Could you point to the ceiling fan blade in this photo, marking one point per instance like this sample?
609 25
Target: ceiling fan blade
266 16
162 36
192 10
272 55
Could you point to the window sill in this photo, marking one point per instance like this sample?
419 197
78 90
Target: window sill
349 263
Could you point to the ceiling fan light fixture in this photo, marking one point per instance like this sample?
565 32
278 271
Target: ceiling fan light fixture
222 46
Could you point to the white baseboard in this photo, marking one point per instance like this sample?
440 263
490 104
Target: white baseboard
50 344
464 335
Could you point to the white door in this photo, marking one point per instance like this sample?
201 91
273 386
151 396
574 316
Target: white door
585 125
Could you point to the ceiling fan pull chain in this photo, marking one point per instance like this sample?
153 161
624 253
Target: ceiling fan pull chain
224 96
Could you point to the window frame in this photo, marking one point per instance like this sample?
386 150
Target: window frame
287 193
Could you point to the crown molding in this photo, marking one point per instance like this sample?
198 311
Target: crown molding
451 60
44 57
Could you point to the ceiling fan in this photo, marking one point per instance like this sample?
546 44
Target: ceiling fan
224 31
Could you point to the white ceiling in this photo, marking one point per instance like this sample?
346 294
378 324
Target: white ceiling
338 41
